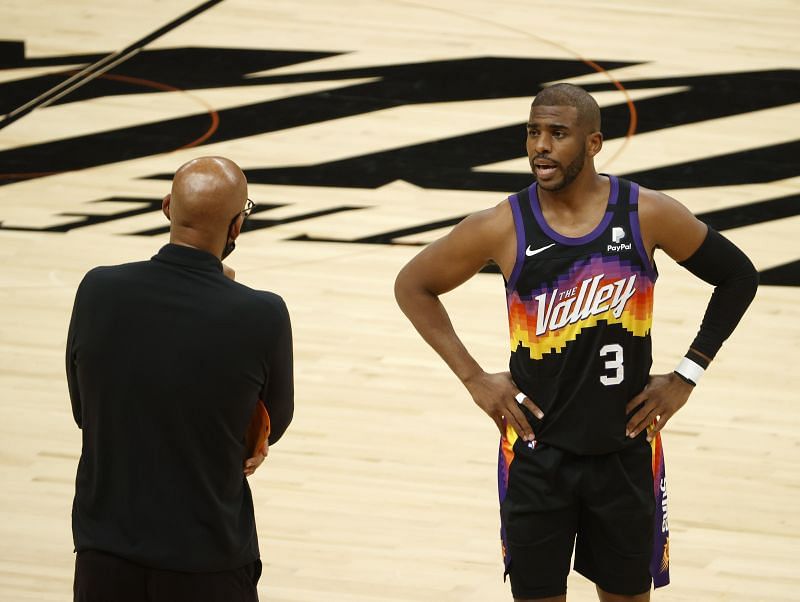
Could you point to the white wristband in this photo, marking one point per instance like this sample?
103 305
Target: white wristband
690 370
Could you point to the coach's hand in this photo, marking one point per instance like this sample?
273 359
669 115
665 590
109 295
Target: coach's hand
496 395
251 464
664 395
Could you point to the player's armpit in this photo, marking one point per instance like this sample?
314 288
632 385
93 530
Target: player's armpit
667 224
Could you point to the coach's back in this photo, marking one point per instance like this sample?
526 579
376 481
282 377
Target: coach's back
166 360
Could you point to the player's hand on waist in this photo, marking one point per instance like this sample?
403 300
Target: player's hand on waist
251 464
496 394
664 395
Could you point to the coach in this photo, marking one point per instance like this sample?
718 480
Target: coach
166 361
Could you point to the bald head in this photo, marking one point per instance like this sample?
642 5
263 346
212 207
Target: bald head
569 95
207 194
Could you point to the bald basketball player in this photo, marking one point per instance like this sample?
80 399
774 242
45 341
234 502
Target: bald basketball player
581 466
166 361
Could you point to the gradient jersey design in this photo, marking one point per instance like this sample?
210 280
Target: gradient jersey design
580 311
659 561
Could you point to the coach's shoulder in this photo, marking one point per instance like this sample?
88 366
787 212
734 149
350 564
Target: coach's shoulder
269 298
267 301
103 273
110 273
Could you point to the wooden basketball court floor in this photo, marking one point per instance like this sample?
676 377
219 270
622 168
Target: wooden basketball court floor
367 128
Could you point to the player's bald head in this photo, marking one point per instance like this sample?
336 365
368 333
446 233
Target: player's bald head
569 95
206 193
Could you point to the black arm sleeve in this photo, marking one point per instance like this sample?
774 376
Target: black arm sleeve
721 263
278 392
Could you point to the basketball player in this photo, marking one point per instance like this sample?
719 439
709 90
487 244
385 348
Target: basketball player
579 414
166 361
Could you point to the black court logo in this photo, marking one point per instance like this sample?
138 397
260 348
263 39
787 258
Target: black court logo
448 163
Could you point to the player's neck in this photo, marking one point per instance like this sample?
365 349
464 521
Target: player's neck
578 196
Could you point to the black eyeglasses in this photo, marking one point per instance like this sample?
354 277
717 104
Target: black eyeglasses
248 209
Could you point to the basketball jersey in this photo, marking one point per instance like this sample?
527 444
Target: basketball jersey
580 311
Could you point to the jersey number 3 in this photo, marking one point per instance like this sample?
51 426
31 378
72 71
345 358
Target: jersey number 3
614 363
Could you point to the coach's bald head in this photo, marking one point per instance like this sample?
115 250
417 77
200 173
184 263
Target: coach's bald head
208 193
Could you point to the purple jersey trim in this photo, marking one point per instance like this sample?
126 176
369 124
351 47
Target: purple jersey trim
582 240
519 228
637 233
659 562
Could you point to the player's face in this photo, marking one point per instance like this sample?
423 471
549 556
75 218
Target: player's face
556 146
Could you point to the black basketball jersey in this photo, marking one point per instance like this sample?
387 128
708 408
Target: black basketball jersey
579 312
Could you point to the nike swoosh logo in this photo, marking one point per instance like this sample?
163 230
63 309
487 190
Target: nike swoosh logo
530 253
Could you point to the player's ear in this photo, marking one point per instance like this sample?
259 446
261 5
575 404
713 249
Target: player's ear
594 143
165 205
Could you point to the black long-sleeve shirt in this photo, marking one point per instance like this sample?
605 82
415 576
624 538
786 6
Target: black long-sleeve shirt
166 360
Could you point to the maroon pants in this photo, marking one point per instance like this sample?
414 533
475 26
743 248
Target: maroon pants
102 577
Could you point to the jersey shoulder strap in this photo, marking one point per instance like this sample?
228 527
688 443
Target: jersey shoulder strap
629 195
526 229
523 213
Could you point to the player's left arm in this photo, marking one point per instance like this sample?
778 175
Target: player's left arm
668 225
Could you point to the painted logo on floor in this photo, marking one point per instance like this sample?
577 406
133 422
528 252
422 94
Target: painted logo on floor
448 164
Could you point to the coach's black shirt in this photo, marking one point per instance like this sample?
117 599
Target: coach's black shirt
166 360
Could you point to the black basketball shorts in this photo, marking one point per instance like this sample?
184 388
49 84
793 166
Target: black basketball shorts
601 506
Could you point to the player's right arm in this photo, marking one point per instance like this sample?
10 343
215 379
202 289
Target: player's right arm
441 267
669 225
